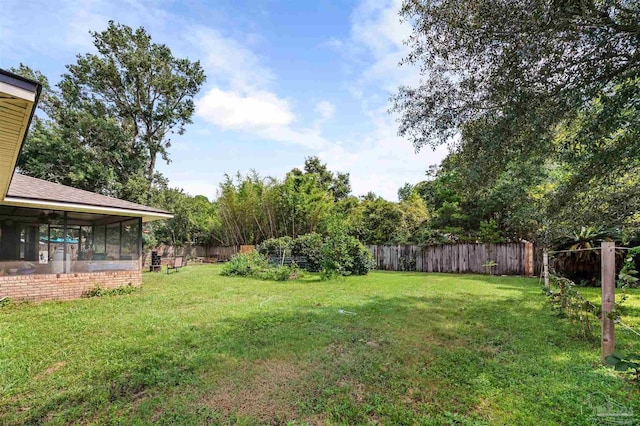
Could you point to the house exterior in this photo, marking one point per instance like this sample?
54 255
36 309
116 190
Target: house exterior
57 242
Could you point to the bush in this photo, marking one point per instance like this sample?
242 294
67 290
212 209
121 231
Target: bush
278 273
489 232
245 264
276 246
337 254
256 265
362 259
309 246
343 254
431 237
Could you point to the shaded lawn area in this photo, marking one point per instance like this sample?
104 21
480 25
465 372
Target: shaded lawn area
198 348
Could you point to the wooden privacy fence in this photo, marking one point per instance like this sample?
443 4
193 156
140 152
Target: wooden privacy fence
510 259
208 253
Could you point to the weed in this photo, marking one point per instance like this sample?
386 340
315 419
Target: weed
99 291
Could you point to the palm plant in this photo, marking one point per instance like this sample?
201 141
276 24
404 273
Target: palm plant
579 258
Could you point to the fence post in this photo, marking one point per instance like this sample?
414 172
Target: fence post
545 268
608 278
528 260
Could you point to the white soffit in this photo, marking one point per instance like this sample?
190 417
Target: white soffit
16 106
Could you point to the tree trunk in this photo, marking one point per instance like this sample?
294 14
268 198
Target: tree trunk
152 166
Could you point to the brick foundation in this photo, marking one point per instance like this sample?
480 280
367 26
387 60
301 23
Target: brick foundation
63 286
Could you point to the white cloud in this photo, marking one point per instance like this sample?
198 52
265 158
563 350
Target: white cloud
333 43
308 137
248 104
382 162
61 28
196 187
326 110
228 62
377 26
232 110
377 32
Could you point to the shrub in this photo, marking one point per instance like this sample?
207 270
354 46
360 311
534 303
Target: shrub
245 264
337 254
362 258
626 363
309 246
256 265
343 254
278 273
489 232
431 237
276 246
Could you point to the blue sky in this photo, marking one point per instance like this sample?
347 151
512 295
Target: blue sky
285 80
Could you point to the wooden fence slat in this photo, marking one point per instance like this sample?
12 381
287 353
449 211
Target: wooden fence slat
463 258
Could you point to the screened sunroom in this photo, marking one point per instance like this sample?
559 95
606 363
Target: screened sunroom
37 241
48 228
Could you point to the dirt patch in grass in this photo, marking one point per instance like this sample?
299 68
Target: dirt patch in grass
483 408
51 369
269 394
357 390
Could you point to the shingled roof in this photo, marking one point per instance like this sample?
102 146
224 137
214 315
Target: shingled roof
29 190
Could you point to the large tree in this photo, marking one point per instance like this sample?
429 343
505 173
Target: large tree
508 59
547 82
111 115
138 83
81 147
339 184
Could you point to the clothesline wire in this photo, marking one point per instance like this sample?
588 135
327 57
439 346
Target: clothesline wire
627 327
569 251
588 249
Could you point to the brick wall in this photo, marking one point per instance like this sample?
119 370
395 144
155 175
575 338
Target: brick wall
63 286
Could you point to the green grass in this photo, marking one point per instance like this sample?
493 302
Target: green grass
198 348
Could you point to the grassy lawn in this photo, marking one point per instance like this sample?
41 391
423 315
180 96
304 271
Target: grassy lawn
198 348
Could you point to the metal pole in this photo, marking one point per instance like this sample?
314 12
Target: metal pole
545 268
140 244
49 254
608 271
64 244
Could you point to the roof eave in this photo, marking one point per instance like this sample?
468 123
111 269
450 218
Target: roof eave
147 216
29 91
